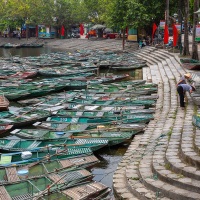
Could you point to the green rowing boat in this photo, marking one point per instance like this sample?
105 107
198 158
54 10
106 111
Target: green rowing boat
39 187
132 118
38 169
11 145
22 158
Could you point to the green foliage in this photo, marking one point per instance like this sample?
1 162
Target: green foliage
114 13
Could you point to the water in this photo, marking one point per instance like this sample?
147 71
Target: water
109 157
25 52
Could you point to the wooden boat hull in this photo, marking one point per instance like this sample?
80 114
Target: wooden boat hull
4 103
132 118
14 145
188 60
192 66
39 169
37 187
24 75
17 158
196 120
92 190
5 128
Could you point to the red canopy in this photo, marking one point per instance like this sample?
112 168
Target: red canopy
81 29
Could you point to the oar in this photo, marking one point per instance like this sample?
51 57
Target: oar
48 188
57 145
25 113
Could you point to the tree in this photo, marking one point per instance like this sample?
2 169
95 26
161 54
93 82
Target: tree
125 13
186 51
195 20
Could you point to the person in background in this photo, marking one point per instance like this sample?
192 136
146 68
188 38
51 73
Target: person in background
144 43
170 43
182 89
140 44
19 35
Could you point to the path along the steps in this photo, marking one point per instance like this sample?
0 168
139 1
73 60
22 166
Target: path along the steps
164 162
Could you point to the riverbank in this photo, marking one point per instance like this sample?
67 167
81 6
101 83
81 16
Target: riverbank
74 43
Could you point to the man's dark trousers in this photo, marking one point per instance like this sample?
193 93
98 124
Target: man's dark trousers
181 95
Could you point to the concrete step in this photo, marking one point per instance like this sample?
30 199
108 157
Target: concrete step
120 184
189 156
197 140
193 186
187 152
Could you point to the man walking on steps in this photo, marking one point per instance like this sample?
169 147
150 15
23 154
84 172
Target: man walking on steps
181 89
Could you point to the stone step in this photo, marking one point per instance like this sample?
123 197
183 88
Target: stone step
194 189
126 166
187 152
120 185
162 169
150 130
197 140
187 157
161 187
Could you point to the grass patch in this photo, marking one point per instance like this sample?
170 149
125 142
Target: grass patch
167 166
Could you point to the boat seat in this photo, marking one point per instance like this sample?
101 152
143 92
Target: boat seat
34 144
99 114
5 160
22 197
107 108
75 120
93 141
79 192
11 144
91 107
62 126
66 163
107 103
11 173
79 113
56 178
4 194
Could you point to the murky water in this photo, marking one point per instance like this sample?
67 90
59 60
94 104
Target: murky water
109 157
24 52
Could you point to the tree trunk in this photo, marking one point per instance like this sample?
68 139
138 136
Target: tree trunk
167 13
195 20
27 31
186 51
123 40
180 19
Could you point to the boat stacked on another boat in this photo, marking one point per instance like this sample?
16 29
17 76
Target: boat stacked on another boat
38 169
23 117
11 145
4 103
5 128
46 140
58 184
27 157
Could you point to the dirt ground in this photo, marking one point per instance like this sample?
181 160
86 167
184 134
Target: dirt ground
74 43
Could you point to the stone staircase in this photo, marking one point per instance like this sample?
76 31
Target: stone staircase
164 162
